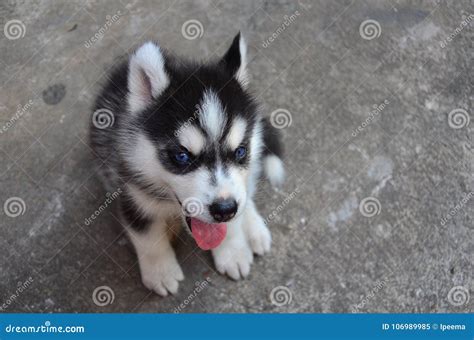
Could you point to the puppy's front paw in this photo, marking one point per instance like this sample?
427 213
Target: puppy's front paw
163 275
233 259
258 235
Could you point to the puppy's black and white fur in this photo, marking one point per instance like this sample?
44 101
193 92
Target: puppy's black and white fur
184 131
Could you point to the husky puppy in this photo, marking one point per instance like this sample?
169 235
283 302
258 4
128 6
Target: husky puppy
186 141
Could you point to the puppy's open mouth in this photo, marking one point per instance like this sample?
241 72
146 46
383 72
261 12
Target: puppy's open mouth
207 235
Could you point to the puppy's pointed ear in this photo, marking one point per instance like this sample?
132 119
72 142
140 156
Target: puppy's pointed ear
147 77
235 60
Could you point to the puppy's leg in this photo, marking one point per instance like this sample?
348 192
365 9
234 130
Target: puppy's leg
159 268
234 256
256 231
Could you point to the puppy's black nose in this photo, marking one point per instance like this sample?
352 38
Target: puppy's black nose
223 210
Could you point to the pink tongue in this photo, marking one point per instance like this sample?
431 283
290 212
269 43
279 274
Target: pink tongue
208 235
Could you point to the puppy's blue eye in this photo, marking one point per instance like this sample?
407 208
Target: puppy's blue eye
182 157
240 153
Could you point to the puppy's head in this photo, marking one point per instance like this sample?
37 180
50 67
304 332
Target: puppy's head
199 134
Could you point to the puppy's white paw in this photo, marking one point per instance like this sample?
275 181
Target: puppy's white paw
163 275
234 259
258 235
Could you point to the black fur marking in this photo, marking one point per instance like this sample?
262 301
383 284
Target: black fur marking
271 140
136 220
231 59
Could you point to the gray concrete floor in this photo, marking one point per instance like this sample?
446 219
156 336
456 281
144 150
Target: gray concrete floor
413 159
